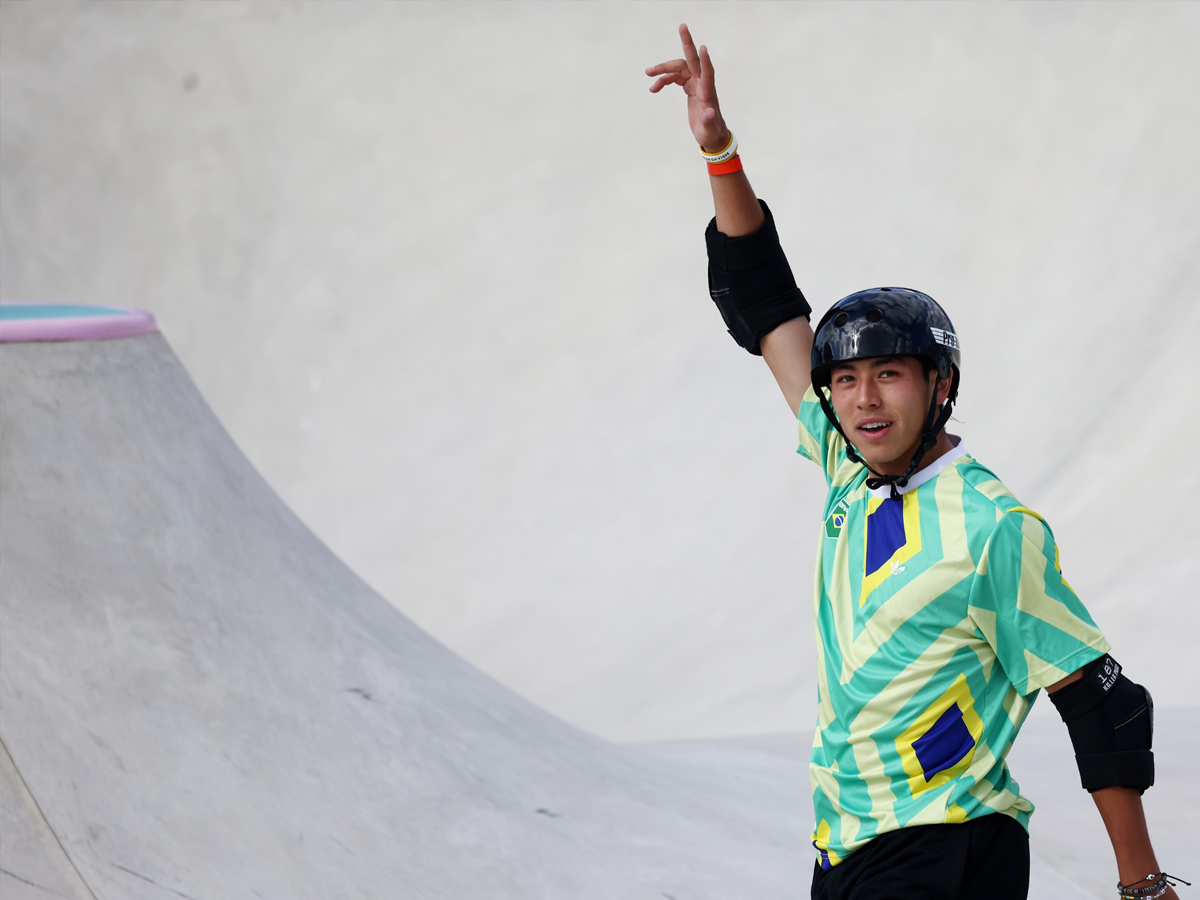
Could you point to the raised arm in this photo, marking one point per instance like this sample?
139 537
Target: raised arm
788 344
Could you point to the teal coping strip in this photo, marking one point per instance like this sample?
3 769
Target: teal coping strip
19 311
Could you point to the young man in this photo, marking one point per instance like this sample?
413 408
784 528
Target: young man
940 608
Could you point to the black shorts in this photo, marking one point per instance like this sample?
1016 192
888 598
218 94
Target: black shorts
983 859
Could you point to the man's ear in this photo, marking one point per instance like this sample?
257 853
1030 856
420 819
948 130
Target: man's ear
943 389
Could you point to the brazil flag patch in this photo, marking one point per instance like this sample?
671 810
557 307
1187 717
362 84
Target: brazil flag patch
837 518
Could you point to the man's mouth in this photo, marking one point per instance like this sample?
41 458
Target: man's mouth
874 429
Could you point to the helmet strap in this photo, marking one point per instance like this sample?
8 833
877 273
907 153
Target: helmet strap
833 420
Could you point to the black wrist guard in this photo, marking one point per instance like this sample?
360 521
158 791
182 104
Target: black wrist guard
751 283
1111 721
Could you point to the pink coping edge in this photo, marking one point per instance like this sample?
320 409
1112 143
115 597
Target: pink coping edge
78 328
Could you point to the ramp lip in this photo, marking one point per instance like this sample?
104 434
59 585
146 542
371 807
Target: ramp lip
24 321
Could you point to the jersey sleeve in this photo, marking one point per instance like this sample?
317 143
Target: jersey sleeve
1020 602
822 443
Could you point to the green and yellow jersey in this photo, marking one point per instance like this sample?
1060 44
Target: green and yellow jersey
939 615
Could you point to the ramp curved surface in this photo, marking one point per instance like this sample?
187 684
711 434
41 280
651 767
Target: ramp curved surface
33 863
205 702
456 335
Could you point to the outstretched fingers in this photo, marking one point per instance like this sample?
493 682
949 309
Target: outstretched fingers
674 65
665 80
673 72
706 66
681 71
706 90
689 50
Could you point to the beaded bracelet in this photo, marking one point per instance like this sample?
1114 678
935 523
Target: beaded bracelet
1160 881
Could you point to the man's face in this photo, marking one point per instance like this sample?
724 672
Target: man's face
882 403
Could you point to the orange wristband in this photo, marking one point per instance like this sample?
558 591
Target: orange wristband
726 168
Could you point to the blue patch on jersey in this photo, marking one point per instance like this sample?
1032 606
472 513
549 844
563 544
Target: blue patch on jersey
885 533
944 744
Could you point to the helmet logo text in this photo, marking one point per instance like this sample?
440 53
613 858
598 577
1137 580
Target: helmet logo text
945 338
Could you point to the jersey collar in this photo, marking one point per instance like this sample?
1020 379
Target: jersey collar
928 473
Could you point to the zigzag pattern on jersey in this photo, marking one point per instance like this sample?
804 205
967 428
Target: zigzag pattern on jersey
931 520
916 602
864 629
903 612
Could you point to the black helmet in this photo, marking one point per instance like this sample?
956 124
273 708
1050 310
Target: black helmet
890 321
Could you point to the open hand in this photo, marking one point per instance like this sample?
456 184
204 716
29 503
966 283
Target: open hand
694 73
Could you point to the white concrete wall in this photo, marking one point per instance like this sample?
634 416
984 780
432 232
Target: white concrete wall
439 269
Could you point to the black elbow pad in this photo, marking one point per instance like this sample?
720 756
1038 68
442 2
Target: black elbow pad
1111 721
751 282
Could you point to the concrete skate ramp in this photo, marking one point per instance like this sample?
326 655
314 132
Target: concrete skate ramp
200 700
33 864
438 267
488 376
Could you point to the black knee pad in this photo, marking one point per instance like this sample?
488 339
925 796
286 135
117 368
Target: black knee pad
751 282
1111 722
